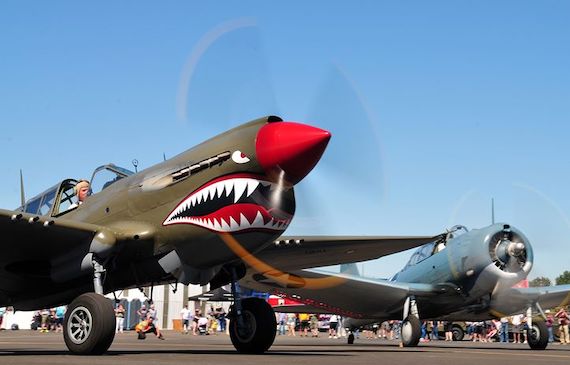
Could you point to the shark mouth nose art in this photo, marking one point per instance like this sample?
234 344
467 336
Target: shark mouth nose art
234 203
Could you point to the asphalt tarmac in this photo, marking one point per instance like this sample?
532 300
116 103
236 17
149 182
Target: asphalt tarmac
27 347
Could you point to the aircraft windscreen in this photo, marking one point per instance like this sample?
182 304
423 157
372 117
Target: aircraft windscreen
105 176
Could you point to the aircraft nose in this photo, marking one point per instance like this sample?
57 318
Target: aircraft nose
289 147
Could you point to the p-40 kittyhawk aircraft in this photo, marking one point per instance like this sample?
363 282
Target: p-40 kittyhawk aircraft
193 219
459 276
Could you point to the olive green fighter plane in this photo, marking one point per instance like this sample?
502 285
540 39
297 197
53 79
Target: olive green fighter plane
197 218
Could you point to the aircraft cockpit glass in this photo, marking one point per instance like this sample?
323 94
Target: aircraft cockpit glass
106 175
66 197
47 202
457 230
42 203
32 206
421 254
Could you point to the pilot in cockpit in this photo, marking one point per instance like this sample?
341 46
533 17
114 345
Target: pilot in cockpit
81 191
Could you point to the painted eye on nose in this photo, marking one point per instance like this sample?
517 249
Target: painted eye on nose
240 157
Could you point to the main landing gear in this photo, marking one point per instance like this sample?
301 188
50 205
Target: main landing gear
537 332
411 326
252 324
89 325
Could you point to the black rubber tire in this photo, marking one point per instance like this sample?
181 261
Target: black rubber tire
260 320
411 331
102 329
457 332
537 335
350 339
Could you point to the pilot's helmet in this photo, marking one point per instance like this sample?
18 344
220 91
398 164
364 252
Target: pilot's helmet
81 184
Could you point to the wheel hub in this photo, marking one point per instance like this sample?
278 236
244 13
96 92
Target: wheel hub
246 332
79 325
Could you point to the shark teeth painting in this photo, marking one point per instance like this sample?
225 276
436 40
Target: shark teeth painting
233 203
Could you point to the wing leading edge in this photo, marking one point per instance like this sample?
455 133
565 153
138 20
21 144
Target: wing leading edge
296 253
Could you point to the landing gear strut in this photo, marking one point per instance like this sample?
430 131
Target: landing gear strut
89 325
252 323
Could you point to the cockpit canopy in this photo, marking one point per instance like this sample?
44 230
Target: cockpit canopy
106 175
59 199
430 248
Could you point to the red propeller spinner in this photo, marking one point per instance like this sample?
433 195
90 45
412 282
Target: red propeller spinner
289 147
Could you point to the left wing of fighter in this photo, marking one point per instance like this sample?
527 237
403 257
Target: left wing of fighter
40 251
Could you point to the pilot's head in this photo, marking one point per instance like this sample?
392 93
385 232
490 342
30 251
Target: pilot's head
82 190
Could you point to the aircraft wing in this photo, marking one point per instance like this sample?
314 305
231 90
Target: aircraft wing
38 250
348 295
295 253
516 300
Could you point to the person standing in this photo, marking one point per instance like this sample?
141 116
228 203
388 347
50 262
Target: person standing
333 323
291 322
142 313
282 321
304 328
221 317
195 320
59 316
434 330
504 335
516 320
563 320
185 314
120 318
549 323
152 313
314 324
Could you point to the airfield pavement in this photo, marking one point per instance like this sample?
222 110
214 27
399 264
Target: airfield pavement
27 347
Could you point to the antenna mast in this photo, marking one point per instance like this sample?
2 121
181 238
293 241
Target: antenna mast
22 195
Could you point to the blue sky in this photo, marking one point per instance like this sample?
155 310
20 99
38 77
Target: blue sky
435 107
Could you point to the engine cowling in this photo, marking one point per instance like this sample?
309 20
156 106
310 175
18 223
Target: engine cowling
510 251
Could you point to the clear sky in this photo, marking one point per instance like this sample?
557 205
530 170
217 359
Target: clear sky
435 106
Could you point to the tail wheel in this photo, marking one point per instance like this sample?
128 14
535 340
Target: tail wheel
258 331
89 325
411 331
538 335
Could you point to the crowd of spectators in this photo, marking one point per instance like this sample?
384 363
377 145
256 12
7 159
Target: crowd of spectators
513 329
213 322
